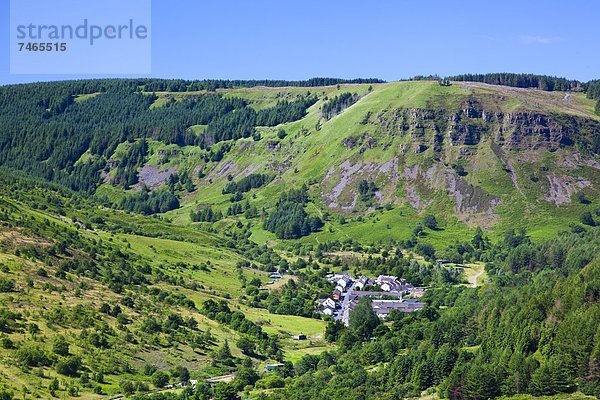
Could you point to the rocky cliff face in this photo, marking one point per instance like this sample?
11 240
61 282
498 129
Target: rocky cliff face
515 131
439 139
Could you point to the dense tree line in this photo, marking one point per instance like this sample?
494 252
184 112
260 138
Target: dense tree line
180 85
205 213
542 82
64 129
593 89
290 220
252 181
339 103
593 92
241 124
147 202
126 173
97 124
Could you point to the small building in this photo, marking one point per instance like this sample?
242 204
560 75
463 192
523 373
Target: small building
336 295
381 279
273 367
397 287
301 336
361 282
383 308
344 281
333 278
327 311
327 303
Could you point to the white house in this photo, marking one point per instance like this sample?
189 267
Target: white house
344 281
327 311
417 291
328 303
361 282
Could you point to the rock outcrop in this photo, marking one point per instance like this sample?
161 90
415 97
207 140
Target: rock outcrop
472 124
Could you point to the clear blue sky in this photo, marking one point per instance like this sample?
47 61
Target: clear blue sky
196 39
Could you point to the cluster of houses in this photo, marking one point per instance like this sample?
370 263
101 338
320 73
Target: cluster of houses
387 293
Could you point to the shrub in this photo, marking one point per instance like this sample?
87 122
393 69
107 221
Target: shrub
60 346
270 382
127 387
430 222
181 373
160 379
6 285
32 355
426 250
53 386
69 367
587 219
245 345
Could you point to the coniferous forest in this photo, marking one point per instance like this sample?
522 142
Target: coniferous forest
318 239
48 114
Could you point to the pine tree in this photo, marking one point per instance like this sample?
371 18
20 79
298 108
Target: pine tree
362 319
223 354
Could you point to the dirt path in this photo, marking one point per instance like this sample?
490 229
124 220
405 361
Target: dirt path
223 378
474 272
473 278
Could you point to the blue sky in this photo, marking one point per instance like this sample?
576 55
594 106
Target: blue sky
261 39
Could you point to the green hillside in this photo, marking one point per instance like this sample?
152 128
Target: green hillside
502 186
64 277
141 222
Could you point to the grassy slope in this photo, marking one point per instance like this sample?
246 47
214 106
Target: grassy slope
45 294
310 153
306 155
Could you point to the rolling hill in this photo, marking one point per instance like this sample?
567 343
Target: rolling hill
472 154
140 220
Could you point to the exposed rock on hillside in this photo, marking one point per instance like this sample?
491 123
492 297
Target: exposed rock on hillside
443 137
469 199
342 182
562 187
153 177
470 125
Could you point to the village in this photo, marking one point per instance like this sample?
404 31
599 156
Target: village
388 293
